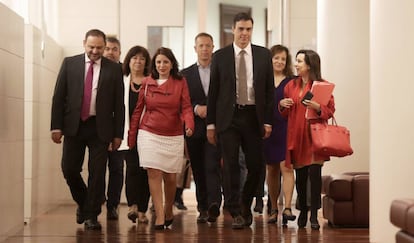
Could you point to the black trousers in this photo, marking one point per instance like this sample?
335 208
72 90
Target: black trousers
116 177
205 164
136 182
88 197
244 131
315 178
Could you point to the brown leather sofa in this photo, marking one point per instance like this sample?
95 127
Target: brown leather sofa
346 199
402 216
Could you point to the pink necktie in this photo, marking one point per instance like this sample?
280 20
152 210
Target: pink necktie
87 93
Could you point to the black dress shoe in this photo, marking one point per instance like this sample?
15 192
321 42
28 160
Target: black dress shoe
180 205
92 224
259 205
112 213
248 219
202 217
238 222
80 218
247 215
213 213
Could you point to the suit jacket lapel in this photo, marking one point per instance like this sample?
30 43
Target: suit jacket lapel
199 84
255 57
80 65
232 62
101 73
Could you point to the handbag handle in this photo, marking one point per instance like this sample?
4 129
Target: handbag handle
333 121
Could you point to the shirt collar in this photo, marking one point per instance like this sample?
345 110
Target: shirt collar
248 49
199 65
87 60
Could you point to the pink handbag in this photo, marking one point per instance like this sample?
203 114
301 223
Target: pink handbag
330 139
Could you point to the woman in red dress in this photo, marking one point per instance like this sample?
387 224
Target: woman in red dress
300 153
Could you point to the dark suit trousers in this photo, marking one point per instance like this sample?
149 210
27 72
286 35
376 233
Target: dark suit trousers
244 131
88 197
136 182
116 177
205 164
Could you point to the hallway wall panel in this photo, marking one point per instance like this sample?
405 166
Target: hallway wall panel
45 186
11 121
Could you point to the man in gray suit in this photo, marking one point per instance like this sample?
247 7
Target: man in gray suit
239 112
88 110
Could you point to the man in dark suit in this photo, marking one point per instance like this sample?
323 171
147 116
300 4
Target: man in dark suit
239 111
88 110
116 158
204 157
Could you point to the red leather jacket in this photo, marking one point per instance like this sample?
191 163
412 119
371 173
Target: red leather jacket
167 107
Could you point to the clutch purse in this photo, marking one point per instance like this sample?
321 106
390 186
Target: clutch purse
331 139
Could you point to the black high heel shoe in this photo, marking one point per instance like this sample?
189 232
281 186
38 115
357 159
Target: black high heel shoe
168 222
287 216
159 227
273 217
302 218
314 220
315 224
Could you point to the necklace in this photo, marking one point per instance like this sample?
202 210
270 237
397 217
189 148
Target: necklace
133 87
138 83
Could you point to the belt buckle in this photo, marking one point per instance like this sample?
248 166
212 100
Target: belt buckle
240 107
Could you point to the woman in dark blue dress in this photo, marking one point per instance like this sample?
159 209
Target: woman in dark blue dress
275 145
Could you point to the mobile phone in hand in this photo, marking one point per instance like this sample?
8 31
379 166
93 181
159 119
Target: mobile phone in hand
308 96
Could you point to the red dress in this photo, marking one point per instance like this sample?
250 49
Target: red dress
299 151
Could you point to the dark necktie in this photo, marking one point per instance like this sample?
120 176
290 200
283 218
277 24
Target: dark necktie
87 93
242 80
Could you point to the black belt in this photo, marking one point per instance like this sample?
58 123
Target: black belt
244 107
91 118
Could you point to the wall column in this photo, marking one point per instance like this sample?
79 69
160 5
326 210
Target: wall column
391 121
343 45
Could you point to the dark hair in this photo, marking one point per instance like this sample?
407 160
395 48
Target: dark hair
135 50
113 39
95 32
242 16
287 71
313 60
170 55
203 34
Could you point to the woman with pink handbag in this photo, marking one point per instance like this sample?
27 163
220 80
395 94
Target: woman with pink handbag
300 152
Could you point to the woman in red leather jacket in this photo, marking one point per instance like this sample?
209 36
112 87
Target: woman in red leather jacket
163 108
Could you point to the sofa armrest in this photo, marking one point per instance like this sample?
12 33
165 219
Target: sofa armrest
339 187
402 214
360 188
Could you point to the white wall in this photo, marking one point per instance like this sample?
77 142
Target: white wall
301 19
345 61
76 17
211 23
391 111
45 187
11 121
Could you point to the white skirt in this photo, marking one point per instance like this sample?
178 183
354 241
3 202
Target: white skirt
165 153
